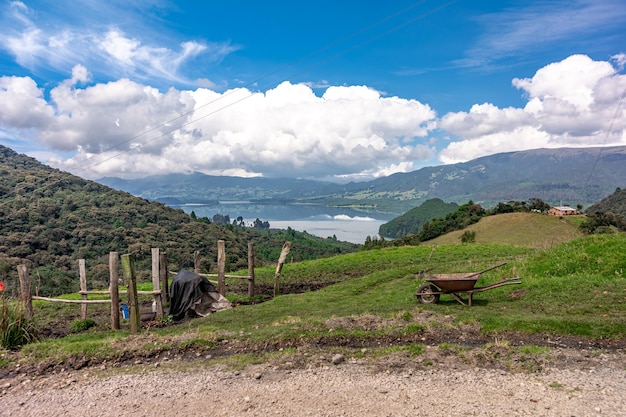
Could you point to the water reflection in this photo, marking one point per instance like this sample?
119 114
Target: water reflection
344 223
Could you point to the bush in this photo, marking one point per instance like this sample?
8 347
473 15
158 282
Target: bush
15 329
78 326
468 237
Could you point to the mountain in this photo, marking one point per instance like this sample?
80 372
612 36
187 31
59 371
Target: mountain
557 176
412 221
615 203
207 189
49 219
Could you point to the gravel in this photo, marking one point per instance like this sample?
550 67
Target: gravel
336 387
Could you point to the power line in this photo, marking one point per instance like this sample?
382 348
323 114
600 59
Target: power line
606 137
80 168
263 77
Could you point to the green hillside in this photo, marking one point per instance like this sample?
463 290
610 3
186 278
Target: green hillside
413 220
49 219
574 292
533 230
615 203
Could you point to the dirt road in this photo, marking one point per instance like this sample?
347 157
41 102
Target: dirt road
571 383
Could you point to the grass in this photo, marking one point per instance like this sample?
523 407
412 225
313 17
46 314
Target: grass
534 230
575 288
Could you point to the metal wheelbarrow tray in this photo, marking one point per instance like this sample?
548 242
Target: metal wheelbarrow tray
453 284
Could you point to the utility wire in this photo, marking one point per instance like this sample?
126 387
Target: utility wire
606 137
251 83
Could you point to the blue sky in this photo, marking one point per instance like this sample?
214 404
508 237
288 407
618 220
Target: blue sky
335 90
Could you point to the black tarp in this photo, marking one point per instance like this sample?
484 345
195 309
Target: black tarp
187 291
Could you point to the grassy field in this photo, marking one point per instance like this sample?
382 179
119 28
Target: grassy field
576 288
525 229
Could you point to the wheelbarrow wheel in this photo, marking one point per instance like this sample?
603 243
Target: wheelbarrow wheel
426 294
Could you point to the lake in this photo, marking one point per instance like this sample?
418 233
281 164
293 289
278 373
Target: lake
346 224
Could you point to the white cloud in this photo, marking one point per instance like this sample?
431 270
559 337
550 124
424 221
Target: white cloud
126 128
575 102
22 105
91 40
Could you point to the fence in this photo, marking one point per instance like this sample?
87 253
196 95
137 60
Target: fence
159 280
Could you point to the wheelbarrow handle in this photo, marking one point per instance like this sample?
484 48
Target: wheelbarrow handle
488 269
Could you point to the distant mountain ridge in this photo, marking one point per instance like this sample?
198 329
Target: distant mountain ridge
558 176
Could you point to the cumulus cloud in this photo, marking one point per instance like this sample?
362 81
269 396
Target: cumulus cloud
575 102
129 129
126 128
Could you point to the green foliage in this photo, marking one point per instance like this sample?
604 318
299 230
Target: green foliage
15 329
413 220
49 219
601 223
577 288
78 326
468 237
614 203
465 215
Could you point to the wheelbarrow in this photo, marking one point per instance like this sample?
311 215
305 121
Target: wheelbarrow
453 284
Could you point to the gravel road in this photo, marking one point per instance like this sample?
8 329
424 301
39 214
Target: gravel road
351 387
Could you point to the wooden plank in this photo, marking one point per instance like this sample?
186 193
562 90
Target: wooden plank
164 281
281 260
250 269
25 286
221 267
128 267
83 288
59 300
114 290
156 281
196 261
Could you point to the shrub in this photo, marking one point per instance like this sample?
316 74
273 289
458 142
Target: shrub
468 237
78 326
15 329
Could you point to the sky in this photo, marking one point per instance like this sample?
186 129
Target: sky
330 90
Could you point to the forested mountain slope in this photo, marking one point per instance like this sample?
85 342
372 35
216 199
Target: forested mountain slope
615 203
49 219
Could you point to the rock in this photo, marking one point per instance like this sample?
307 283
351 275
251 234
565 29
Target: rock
338 358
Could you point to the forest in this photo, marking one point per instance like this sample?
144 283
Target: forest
49 219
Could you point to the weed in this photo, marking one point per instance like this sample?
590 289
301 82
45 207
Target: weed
414 328
78 326
15 328
415 349
533 350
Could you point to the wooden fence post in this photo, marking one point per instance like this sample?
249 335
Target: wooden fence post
281 261
83 288
156 279
196 262
164 278
114 290
221 267
128 267
27 301
250 269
